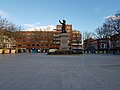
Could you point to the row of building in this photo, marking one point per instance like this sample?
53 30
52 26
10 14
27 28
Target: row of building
42 41
104 45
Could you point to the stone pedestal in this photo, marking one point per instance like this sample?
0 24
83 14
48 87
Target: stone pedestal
64 41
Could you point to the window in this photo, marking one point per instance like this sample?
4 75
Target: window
28 40
38 45
23 36
37 40
37 36
23 45
33 45
23 40
28 44
28 36
41 41
19 45
33 36
33 40
46 41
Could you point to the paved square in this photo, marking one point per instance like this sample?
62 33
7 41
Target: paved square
43 72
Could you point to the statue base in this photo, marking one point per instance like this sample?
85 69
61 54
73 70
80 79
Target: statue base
64 41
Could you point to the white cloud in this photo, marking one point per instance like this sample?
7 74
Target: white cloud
112 17
109 17
38 27
3 13
28 25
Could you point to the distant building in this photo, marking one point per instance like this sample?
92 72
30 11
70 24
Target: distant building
94 46
102 45
115 44
6 42
45 40
87 45
76 40
28 40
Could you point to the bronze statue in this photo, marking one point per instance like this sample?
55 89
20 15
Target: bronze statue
63 26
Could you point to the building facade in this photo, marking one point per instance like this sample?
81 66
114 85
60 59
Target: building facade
102 45
87 45
7 43
115 44
42 41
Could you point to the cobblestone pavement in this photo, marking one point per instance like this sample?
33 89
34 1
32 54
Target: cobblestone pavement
43 72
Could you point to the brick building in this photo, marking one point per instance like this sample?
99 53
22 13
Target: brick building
87 44
29 41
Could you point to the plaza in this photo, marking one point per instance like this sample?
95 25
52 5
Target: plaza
38 71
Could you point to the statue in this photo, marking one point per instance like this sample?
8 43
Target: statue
63 26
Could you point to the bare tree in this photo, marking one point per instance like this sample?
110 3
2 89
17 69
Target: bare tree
114 22
8 32
87 35
109 28
98 33
8 28
87 40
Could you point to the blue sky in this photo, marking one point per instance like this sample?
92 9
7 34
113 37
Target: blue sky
84 15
